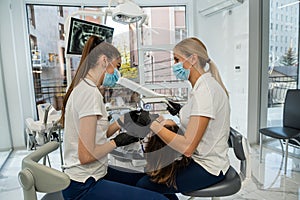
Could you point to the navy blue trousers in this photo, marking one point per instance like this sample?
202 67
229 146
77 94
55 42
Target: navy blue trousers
107 190
190 178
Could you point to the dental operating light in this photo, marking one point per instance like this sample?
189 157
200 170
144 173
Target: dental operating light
127 12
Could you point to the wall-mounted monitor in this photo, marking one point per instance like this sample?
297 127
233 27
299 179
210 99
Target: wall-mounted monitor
81 30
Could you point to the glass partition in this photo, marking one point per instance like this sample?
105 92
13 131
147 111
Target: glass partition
47 51
283 68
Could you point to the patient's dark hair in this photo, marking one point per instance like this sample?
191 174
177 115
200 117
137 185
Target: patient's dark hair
162 166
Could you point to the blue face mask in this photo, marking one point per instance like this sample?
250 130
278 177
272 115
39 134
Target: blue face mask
110 80
180 72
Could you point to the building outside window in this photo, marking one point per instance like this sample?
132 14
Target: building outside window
284 57
50 80
60 11
31 17
61 31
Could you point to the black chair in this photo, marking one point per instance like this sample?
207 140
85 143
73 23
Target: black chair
35 177
233 180
291 124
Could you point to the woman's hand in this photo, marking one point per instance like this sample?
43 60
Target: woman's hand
173 107
124 139
187 143
137 123
160 119
157 124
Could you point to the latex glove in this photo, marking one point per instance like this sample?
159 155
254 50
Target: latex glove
134 114
144 118
140 117
124 139
137 123
174 110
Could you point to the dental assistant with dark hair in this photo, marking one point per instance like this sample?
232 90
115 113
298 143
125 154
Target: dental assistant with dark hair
87 130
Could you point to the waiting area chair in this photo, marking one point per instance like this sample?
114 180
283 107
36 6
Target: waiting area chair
291 124
35 177
233 180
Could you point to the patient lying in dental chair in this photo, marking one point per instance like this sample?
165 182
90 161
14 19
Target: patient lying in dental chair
163 162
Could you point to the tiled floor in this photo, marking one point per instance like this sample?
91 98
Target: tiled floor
267 181
3 156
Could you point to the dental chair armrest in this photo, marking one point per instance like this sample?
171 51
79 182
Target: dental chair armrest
45 179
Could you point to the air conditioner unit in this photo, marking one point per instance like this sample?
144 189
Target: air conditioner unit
211 7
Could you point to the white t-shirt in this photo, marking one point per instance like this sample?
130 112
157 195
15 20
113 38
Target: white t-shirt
208 99
85 100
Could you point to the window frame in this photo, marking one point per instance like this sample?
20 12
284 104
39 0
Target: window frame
189 8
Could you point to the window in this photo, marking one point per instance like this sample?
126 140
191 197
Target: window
33 42
61 31
48 39
60 11
46 45
180 33
30 15
283 63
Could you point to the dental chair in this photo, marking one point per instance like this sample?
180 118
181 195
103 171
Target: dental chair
35 177
233 180
40 131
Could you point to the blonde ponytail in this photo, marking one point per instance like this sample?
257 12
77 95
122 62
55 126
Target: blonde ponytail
215 73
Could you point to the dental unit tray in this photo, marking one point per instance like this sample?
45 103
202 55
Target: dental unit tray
134 157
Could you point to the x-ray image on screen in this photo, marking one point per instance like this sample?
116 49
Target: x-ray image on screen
81 30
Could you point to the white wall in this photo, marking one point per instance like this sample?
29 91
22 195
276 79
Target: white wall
226 36
15 68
